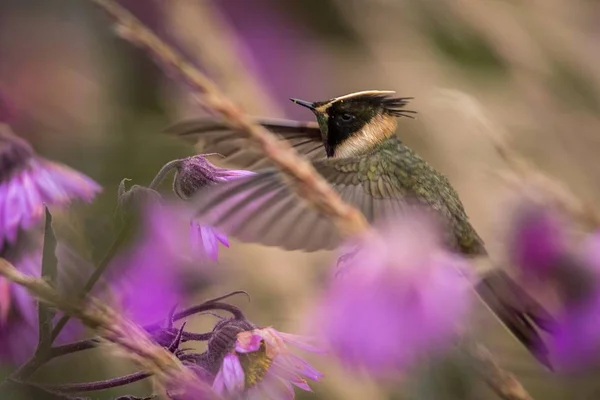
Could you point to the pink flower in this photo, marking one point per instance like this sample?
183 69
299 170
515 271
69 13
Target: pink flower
196 172
206 239
18 326
19 312
575 340
538 240
401 297
28 182
261 366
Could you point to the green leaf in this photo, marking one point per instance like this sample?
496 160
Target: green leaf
49 272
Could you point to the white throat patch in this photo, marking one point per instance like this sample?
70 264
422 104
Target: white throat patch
379 128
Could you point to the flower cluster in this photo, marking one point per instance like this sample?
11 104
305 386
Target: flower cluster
259 363
241 359
28 182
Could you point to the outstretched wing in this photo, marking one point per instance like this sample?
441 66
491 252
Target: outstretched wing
263 208
218 137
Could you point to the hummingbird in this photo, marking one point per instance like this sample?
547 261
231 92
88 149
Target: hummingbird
353 144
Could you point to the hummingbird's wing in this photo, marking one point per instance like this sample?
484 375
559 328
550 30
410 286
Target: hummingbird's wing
262 208
217 137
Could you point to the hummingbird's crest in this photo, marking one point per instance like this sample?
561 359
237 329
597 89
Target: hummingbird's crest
354 123
383 99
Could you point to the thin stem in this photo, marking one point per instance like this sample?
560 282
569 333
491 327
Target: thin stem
206 306
164 171
121 190
236 312
228 295
74 347
98 385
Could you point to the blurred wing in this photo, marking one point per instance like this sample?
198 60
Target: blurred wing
263 209
218 137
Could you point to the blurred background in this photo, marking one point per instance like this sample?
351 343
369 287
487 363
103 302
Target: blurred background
526 70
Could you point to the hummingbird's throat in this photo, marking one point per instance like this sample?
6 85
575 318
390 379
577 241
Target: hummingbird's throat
378 129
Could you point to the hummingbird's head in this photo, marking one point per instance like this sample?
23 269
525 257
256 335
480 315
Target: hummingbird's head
354 123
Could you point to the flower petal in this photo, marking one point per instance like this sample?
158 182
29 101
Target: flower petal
291 376
230 378
301 342
297 365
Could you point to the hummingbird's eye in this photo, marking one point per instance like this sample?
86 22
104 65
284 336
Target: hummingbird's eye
346 117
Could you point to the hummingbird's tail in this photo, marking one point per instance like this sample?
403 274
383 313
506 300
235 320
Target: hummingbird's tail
523 316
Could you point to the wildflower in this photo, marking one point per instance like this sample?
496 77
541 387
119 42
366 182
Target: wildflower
258 364
206 239
28 181
18 326
400 298
194 173
19 310
537 240
575 341
197 172
136 198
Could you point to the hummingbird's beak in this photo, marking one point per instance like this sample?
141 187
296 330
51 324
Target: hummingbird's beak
307 104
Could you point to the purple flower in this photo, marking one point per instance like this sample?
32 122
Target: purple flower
261 366
196 172
206 239
537 240
19 315
18 326
575 341
155 274
28 181
401 297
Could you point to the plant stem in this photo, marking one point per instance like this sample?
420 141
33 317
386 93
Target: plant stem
207 306
164 171
74 347
98 385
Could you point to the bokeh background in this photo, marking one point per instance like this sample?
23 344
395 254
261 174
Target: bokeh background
526 70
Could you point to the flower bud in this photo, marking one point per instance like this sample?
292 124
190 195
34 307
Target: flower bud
137 197
196 172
